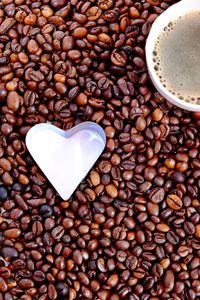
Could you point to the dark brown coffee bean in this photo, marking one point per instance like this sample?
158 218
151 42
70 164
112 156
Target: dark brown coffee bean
58 4
83 278
178 177
103 83
131 262
9 253
4 272
122 245
123 86
138 62
67 43
101 264
6 25
148 283
39 276
57 232
74 54
156 195
46 211
172 238
119 233
4 61
37 228
36 76
189 228
157 270
168 279
5 70
118 59
159 238
62 289
73 92
77 257
36 202
121 256
26 283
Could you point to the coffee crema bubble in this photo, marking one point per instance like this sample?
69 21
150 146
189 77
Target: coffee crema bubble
176 57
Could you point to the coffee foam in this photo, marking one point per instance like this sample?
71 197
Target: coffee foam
158 59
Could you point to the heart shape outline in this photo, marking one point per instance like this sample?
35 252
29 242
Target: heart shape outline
52 139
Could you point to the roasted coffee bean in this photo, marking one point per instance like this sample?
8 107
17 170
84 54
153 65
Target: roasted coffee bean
13 101
58 4
26 283
172 238
139 273
189 228
148 283
36 76
6 25
113 280
62 289
156 195
13 233
159 238
157 270
46 211
3 92
52 293
183 251
39 276
119 233
168 279
3 193
77 256
37 228
131 262
110 15
122 245
4 272
179 177
119 59
3 285
57 232
9 253
105 4
174 202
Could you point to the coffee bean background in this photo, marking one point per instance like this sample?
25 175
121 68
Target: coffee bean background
131 229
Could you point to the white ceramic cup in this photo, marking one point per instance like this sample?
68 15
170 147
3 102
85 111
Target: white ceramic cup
172 13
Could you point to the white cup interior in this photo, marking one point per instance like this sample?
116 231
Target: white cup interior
171 14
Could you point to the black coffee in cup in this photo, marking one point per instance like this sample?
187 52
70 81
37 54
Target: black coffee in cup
177 57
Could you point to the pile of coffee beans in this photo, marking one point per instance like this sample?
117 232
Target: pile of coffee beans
131 229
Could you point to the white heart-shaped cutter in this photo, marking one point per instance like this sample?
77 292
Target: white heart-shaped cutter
65 157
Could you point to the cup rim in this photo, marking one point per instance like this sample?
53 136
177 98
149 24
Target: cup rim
162 20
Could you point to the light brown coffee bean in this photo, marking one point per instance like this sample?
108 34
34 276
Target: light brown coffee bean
174 202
